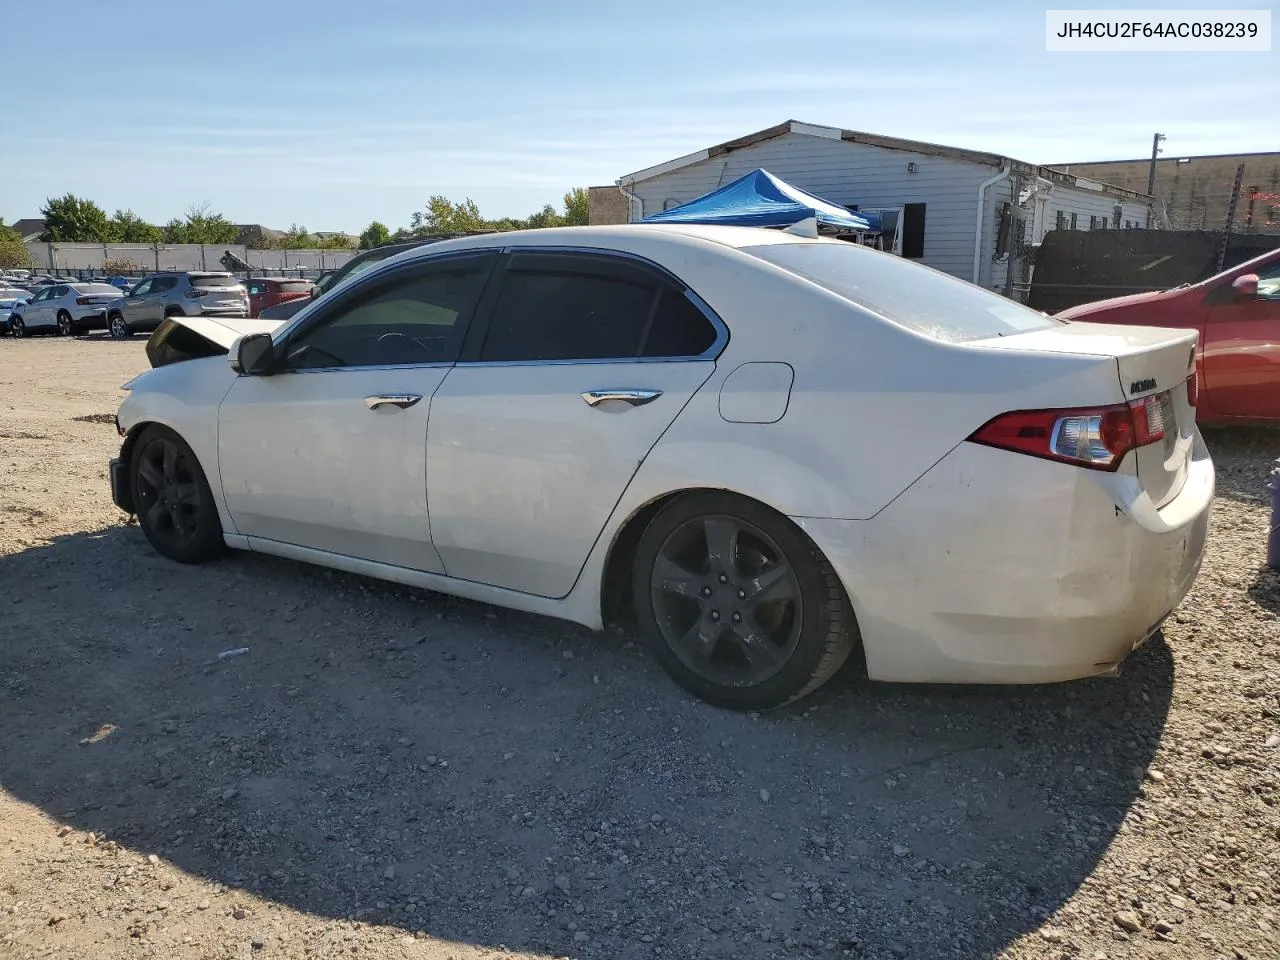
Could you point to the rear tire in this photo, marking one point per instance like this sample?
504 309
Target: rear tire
117 328
66 326
737 604
174 504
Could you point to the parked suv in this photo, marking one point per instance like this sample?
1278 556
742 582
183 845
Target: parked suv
176 294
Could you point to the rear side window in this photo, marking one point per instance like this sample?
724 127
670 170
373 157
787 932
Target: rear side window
600 311
213 283
922 299
567 316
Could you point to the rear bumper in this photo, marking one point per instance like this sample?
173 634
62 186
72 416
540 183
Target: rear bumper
1000 568
121 493
94 320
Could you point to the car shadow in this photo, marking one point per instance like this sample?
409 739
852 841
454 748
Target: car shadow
496 778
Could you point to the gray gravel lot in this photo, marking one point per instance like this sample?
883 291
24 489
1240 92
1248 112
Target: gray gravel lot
397 774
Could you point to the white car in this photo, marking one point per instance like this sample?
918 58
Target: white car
772 451
10 297
64 308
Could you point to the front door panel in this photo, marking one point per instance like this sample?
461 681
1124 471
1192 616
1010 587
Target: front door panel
1242 358
523 472
305 459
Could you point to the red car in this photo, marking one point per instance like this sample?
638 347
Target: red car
268 291
1237 314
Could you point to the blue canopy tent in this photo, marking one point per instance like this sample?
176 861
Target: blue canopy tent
762 200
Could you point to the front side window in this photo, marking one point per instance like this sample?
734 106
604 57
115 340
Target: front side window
1269 281
143 288
409 319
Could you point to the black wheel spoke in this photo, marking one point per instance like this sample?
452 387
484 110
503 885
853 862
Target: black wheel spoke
772 585
760 652
701 638
156 513
676 579
722 542
187 494
170 463
150 473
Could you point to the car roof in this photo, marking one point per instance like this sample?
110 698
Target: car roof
617 237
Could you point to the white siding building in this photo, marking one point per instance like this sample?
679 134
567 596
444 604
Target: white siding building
941 205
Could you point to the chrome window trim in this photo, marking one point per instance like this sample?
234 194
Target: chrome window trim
435 365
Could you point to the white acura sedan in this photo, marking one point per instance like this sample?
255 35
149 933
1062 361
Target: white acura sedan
773 452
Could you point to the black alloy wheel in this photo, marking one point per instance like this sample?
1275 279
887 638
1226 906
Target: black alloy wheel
737 604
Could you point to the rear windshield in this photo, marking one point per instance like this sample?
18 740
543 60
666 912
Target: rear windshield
97 289
294 286
213 283
919 298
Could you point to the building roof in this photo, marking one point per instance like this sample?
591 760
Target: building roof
1169 159
28 228
886 143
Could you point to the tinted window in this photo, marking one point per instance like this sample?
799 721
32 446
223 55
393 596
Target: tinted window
97 289
546 315
163 283
59 291
679 329
295 286
409 320
924 300
213 283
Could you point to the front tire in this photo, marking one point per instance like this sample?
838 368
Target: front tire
118 329
18 327
66 326
172 497
738 606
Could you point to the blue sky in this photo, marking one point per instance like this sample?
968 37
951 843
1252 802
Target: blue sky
332 114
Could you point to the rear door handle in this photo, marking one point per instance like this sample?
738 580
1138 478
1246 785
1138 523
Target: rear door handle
401 400
637 398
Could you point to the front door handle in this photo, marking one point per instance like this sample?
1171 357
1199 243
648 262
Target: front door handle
401 400
637 398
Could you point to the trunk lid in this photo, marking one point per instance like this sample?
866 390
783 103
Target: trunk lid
1151 362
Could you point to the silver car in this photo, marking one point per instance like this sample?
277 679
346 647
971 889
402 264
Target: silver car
65 308
186 294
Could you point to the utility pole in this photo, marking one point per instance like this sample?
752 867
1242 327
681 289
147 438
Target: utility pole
1155 151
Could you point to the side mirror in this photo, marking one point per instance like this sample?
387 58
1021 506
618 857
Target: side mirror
254 355
1245 286
315 291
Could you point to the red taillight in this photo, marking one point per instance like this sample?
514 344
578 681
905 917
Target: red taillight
83 301
1093 437
1193 388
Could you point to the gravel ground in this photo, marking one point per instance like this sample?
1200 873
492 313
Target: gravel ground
396 774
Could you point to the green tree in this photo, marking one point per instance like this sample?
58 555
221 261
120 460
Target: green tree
331 241
442 216
201 226
128 227
69 219
576 208
13 252
375 235
295 238
546 217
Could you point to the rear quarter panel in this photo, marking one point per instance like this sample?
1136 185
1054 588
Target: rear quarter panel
873 406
